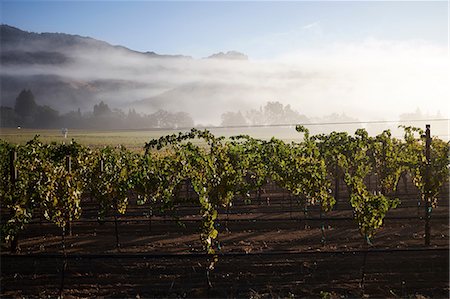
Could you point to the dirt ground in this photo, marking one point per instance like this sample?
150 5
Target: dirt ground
269 248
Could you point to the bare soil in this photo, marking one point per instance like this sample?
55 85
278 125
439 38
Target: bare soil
270 248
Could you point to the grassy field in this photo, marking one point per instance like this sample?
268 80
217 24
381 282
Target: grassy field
132 138
136 139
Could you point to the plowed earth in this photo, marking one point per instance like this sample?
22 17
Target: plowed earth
269 248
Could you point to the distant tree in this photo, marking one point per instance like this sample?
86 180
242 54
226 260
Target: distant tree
134 119
73 119
118 113
163 119
233 119
274 113
132 114
101 109
150 121
414 115
8 117
255 117
166 119
335 117
46 117
418 114
183 120
291 116
25 106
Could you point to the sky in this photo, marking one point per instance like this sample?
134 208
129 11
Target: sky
262 30
372 60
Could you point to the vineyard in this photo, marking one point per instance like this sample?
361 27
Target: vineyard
196 215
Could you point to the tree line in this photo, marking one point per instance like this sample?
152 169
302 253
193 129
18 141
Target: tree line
28 113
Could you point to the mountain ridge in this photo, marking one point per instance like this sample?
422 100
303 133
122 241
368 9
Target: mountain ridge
13 35
69 72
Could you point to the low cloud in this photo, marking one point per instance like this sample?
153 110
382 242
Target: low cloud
311 26
369 80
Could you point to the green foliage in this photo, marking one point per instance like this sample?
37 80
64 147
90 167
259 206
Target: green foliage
358 159
300 169
249 158
25 105
210 170
43 182
325 295
218 171
387 157
416 164
61 196
23 195
13 196
110 178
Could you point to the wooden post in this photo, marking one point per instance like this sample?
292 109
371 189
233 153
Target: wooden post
290 205
12 167
405 182
228 216
69 163
64 263
363 268
13 176
305 212
427 185
150 215
116 229
322 226
336 185
69 169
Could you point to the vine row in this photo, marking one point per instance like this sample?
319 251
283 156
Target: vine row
52 179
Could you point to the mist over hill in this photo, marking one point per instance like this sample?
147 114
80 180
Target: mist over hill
70 72
73 73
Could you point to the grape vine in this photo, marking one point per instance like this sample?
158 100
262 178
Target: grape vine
53 179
